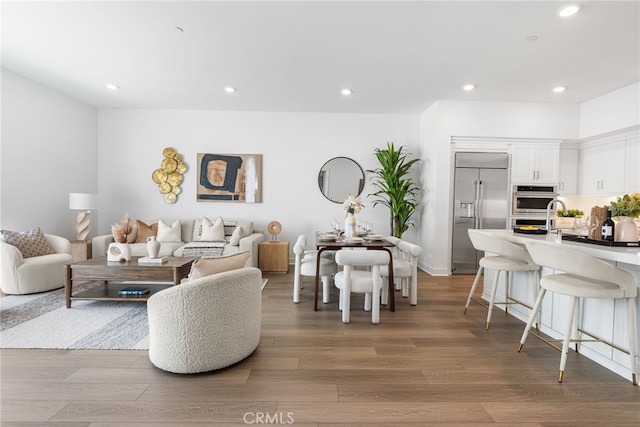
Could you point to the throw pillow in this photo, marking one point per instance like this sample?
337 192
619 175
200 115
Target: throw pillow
30 243
207 266
212 231
169 233
144 231
243 229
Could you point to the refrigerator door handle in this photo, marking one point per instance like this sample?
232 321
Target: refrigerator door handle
480 203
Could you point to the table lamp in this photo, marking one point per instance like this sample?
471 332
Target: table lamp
83 202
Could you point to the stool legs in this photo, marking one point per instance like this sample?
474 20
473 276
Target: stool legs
473 288
633 344
567 336
494 289
532 317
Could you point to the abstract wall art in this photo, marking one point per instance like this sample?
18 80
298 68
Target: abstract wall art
229 178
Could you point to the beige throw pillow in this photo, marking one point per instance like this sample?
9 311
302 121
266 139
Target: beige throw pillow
30 243
169 233
207 266
144 231
212 231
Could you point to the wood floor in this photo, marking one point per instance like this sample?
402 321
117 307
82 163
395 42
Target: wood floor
422 365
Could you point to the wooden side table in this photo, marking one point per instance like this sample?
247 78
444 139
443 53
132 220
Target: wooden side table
80 250
273 256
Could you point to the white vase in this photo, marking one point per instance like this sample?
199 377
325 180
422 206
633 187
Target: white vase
350 226
153 246
118 252
626 230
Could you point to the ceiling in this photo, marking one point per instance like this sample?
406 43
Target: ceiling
397 57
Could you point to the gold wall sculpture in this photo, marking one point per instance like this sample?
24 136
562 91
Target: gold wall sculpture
170 174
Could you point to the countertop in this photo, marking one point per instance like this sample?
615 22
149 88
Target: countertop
618 254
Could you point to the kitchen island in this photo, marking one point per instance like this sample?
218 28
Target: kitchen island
603 318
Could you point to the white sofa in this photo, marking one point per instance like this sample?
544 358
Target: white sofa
189 230
21 275
206 324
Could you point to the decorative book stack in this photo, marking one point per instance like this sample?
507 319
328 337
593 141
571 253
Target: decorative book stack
149 260
133 292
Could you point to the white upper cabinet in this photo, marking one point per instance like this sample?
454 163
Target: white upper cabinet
632 165
568 182
602 168
535 163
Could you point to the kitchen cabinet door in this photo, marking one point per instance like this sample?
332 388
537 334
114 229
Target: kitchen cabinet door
602 169
568 181
534 163
632 167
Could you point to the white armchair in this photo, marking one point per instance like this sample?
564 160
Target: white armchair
21 275
206 324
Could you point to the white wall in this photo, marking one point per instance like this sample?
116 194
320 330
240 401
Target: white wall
294 147
479 119
49 149
610 112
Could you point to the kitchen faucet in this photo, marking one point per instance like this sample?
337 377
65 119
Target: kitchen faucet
549 207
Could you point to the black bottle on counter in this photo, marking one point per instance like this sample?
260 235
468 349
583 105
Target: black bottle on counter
608 228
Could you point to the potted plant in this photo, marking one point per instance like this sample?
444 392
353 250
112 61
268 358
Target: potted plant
569 219
395 189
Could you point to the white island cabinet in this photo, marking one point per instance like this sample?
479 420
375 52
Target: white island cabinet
604 318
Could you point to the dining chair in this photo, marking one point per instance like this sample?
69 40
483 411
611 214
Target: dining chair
509 257
305 265
582 276
405 268
368 282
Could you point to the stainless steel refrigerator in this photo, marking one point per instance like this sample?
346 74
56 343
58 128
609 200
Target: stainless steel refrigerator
480 200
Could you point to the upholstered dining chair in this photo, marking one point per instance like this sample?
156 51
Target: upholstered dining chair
305 265
405 269
581 276
368 282
509 257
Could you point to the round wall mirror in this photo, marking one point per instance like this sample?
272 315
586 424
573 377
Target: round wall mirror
340 177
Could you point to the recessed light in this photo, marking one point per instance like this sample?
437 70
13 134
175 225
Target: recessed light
559 89
346 92
112 86
229 89
469 87
569 10
179 29
532 38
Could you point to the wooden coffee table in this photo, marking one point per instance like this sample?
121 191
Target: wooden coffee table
171 272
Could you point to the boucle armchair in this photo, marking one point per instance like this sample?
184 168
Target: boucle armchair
20 275
206 324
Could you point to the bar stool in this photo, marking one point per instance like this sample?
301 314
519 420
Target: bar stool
584 277
509 257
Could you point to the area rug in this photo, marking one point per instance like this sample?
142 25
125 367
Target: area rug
42 321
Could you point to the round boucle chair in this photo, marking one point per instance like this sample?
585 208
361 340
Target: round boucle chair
206 324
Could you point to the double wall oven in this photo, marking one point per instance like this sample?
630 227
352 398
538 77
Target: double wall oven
529 204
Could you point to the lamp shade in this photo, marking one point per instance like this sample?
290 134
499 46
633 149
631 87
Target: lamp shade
83 201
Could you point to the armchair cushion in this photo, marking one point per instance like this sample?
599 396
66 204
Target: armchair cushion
30 243
207 266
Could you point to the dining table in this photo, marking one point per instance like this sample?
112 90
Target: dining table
326 243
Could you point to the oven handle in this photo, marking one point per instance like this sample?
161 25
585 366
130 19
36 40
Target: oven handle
540 194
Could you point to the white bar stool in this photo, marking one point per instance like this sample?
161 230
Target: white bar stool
509 257
584 277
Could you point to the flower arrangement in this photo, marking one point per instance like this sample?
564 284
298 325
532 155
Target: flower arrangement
352 205
122 229
627 205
